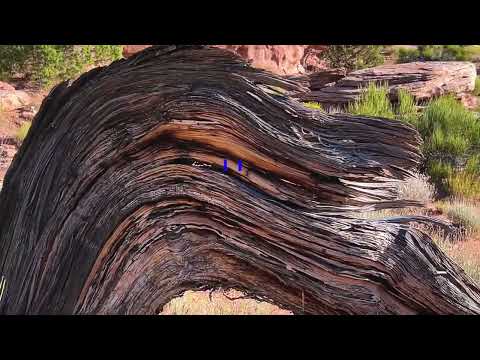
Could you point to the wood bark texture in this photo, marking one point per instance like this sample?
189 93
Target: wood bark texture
117 200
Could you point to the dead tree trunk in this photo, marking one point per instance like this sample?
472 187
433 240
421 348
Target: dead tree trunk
423 80
118 201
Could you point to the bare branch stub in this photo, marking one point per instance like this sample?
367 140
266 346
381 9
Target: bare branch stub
89 222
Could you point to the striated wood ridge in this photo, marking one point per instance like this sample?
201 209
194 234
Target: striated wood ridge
117 200
423 80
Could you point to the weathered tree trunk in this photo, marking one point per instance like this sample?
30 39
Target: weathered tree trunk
117 200
423 80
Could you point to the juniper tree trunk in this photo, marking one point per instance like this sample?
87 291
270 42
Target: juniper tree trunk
118 200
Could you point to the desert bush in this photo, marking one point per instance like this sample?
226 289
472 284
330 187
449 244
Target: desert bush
313 105
417 188
353 57
435 53
45 64
23 131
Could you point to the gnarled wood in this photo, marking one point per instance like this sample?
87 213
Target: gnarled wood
423 80
117 200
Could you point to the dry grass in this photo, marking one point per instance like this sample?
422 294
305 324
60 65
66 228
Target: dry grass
199 303
417 188
463 212
465 253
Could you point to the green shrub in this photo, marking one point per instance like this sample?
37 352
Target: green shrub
313 105
373 101
451 136
23 131
449 127
436 53
405 55
473 52
353 57
48 63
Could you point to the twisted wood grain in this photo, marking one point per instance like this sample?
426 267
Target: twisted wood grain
106 209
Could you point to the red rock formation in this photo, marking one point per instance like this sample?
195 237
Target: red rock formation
279 59
129 50
5 86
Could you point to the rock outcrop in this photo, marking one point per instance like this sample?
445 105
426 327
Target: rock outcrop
423 80
11 99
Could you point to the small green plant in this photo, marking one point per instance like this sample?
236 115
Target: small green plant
313 105
476 91
406 109
373 101
45 64
23 131
353 57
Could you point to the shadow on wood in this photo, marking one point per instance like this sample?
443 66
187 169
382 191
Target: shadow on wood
117 200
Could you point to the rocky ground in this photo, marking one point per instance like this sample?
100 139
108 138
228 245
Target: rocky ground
19 102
